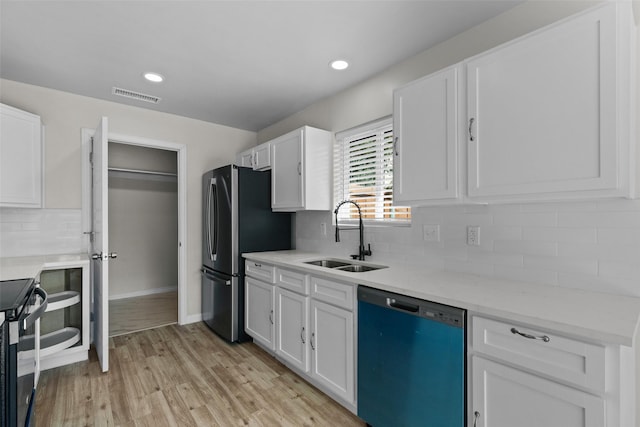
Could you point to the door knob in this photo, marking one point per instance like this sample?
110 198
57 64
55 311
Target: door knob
104 256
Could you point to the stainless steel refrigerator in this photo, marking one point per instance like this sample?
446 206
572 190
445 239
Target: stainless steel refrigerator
237 218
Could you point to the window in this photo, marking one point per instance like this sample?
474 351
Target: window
363 172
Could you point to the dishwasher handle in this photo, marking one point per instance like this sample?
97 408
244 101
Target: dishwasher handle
393 303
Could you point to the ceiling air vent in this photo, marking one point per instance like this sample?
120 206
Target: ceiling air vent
135 95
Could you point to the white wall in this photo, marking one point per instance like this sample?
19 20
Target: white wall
590 245
64 115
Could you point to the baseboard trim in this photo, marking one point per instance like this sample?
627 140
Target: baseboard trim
193 318
143 293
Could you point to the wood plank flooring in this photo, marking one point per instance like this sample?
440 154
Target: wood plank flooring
145 312
183 376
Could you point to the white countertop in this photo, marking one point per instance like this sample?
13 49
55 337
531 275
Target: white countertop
31 266
594 316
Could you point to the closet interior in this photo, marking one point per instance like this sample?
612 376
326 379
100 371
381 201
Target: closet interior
143 231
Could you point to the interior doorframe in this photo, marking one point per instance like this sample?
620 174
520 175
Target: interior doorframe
181 158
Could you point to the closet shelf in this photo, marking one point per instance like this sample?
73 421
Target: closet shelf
61 300
50 343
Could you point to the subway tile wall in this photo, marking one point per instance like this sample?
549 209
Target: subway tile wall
25 232
592 245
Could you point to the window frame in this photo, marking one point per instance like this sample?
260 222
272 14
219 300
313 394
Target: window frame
341 178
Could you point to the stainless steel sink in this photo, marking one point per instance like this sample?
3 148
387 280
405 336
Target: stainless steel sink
359 268
345 265
329 263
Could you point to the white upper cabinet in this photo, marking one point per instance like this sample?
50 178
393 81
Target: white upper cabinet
301 170
245 158
258 158
549 113
425 121
20 158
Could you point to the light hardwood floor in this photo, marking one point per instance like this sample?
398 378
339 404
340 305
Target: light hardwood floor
137 314
183 376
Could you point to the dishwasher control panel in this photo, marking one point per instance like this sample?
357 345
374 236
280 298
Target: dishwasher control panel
417 307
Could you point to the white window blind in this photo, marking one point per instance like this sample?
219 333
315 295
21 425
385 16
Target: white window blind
363 172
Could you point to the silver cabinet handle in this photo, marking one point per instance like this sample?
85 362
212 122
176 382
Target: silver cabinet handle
471 137
300 168
476 415
313 344
302 336
544 338
395 146
257 265
271 317
113 255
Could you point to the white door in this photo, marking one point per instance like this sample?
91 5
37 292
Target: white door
507 397
259 315
332 349
99 247
425 124
287 190
542 111
293 328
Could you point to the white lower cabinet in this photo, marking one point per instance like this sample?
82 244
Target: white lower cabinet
308 323
507 397
259 311
332 349
292 324
529 377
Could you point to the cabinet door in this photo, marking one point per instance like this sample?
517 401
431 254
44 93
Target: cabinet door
259 314
287 189
332 349
20 158
506 397
245 159
293 328
425 127
262 156
542 111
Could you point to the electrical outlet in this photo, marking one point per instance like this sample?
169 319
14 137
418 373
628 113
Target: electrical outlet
473 235
323 228
431 232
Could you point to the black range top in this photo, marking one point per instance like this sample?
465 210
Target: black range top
13 294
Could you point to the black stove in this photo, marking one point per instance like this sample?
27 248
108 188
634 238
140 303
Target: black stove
13 296
20 307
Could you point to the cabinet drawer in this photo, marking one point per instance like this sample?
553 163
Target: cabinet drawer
259 270
292 280
565 359
339 294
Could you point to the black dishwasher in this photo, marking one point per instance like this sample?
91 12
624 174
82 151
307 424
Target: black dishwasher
411 361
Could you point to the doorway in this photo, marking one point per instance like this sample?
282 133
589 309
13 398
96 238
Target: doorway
143 229
180 151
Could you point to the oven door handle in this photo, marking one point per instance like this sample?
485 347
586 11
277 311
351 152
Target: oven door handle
37 313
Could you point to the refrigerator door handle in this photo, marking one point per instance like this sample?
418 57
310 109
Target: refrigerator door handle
215 277
212 235
208 231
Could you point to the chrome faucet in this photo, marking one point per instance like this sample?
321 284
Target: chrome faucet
361 250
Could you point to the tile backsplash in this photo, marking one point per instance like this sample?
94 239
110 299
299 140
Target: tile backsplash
592 245
25 232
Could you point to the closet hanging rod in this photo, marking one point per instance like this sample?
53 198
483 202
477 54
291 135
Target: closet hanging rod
143 172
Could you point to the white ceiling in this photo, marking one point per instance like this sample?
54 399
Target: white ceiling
246 64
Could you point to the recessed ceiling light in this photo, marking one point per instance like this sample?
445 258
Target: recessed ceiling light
154 77
339 64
